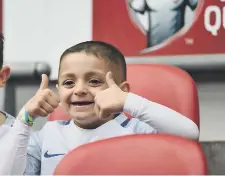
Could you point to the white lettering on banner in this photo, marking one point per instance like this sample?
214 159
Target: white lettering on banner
219 19
213 28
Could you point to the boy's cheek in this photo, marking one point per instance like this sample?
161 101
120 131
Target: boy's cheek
94 90
64 105
64 95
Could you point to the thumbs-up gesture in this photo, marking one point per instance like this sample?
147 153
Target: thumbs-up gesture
110 100
44 102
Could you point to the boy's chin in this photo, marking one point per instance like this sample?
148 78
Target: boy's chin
83 116
87 120
84 119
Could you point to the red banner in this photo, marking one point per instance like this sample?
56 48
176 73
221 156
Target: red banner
161 27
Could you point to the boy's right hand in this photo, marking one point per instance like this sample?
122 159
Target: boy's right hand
44 102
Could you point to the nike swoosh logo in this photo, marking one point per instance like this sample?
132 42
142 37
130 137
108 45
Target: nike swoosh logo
47 155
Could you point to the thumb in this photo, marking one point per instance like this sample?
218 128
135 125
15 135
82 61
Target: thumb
109 79
44 82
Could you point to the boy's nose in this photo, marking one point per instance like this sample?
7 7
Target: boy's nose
80 89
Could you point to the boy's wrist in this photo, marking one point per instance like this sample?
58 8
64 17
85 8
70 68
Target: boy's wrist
132 104
25 118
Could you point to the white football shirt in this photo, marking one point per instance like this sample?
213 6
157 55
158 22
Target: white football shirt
47 147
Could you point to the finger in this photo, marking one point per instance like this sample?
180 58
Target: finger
50 97
104 115
47 107
52 101
54 96
42 112
109 79
96 109
102 111
101 114
44 82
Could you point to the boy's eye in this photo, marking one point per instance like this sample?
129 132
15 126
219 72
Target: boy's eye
95 81
68 83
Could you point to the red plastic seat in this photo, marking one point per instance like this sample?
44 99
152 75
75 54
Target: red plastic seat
135 155
167 85
58 114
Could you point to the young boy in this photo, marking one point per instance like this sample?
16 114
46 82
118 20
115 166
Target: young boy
94 92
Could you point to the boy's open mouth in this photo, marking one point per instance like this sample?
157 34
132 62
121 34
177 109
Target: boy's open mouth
82 103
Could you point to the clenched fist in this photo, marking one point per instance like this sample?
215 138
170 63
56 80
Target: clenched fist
44 102
111 100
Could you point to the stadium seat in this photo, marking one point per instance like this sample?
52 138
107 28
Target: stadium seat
167 85
135 155
58 114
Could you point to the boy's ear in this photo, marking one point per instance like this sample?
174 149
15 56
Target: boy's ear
57 86
4 75
125 86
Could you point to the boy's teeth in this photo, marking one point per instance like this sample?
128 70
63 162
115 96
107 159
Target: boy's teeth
81 103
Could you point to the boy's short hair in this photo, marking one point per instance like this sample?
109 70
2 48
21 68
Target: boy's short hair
1 50
101 50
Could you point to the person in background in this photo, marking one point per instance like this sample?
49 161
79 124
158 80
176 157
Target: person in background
10 130
5 119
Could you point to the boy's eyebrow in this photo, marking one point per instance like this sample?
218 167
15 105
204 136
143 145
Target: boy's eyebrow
67 75
94 72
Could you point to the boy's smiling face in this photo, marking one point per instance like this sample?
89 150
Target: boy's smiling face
81 75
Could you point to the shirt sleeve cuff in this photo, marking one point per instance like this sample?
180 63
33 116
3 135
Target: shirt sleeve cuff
132 104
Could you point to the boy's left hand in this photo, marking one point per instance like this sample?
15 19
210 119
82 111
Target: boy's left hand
110 100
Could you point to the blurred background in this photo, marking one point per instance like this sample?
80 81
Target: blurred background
38 31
